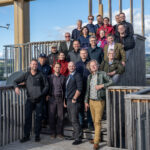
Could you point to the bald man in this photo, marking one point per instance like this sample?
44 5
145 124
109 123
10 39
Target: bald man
73 91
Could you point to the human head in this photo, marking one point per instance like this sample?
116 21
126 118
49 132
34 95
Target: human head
117 19
101 33
93 66
93 41
122 17
99 19
90 19
85 31
83 54
111 54
61 56
71 67
121 28
57 67
67 36
110 38
54 48
106 21
79 23
34 65
76 45
42 59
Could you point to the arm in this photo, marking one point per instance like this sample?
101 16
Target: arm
123 54
107 79
120 69
102 65
46 86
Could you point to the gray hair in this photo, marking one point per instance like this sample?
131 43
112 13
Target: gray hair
88 65
79 20
92 37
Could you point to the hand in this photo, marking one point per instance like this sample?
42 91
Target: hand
73 101
47 98
123 63
86 106
65 105
98 87
17 91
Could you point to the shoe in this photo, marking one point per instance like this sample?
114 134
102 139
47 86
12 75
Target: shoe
25 139
52 136
37 138
77 142
96 147
91 141
70 138
60 136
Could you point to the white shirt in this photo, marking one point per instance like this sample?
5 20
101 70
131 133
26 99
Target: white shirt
68 44
111 46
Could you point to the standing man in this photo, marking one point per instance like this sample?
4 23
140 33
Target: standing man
52 58
74 55
73 92
95 97
99 22
67 45
55 97
37 88
95 52
116 25
76 32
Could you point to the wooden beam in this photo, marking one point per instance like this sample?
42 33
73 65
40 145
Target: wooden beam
6 2
120 6
131 11
110 11
90 7
142 16
100 8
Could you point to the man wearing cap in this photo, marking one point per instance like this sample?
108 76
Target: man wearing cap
46 70
52 58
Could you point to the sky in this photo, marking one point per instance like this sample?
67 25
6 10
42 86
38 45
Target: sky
50 19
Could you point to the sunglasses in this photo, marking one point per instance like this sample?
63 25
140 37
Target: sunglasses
90 18
67 36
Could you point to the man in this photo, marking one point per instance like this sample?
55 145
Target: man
112 67
95 97
95 52
37 88
116 25
46 70
55 97
128 26
125 39
76 32
99 22
120 54
73 92
90 26
74 55
66 46
52 58
81 68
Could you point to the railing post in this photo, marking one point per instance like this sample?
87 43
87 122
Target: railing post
0 117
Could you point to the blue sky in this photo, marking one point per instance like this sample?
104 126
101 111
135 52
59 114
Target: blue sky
50 18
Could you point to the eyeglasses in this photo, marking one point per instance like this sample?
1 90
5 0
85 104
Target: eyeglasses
90 18
67 36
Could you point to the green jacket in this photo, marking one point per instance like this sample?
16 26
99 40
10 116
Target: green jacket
119 52
115 66
102 78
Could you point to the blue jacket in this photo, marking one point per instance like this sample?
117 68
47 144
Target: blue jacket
91 28
45 69
84 42
96 53
75 34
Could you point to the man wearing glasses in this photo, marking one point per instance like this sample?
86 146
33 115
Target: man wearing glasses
66 46
91 26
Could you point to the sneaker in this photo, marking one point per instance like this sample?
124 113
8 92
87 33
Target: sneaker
77 142
60 136
25 139
37 138
52 136
91 141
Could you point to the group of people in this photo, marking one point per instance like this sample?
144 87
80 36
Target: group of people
75 76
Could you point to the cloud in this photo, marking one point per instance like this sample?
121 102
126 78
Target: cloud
137 26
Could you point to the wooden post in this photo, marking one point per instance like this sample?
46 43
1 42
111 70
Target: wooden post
142 16
100 8
120 6
131 11
110 11
90 7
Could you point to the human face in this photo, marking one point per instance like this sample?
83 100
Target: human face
71 67
76 45
61 56
102 33
67 37
121 29
83 54
117 19
106 21
99 19
57 68
42 60
111 55
93 42
93 67
110 39
85 31
53 49
90 19
79 24
122 17
33 65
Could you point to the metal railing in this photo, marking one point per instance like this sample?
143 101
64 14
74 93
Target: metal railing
138 120
12 110
115 107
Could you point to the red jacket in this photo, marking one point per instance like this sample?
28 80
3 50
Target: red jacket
64 67
108 30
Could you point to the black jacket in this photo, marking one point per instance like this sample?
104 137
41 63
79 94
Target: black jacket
75 83
129 28
128 41
37 85
52 58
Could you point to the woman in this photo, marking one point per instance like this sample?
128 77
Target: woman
64 64
102 41
84 38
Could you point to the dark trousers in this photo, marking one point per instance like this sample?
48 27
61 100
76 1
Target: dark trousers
56 116
73 111
29 107
81 114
